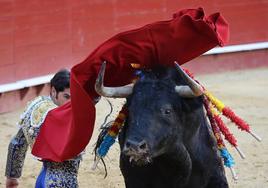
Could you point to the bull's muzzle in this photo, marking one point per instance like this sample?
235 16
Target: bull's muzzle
138 152
135 148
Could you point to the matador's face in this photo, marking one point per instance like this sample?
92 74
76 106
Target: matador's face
61 97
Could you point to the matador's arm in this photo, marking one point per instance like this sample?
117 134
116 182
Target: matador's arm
16 155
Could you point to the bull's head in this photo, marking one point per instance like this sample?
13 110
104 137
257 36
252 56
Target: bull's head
156 118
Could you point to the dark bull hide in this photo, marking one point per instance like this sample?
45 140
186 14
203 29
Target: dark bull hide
166 142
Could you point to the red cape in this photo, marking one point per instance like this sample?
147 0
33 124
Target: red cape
68 129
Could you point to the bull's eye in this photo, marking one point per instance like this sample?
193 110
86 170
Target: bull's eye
167 111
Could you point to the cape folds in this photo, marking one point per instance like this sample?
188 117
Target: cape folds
68 129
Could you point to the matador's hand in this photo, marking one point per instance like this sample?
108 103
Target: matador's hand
12 183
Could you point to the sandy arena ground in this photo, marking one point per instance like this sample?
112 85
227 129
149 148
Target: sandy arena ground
244 91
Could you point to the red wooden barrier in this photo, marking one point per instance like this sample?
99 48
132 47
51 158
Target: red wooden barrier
39 37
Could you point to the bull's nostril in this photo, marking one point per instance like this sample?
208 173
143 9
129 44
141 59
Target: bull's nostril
143 146
136 146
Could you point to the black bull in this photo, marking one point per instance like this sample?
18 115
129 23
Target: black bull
166 141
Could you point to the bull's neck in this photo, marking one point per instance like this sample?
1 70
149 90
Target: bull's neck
201 142
178 164
196 137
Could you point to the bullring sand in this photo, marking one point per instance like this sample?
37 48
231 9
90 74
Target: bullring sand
246 92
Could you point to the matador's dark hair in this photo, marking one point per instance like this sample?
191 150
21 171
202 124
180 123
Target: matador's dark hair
61 80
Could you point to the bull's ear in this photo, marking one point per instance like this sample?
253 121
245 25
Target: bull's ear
192 90
115 92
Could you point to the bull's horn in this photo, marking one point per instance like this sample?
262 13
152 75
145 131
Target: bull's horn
116 92
192 90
